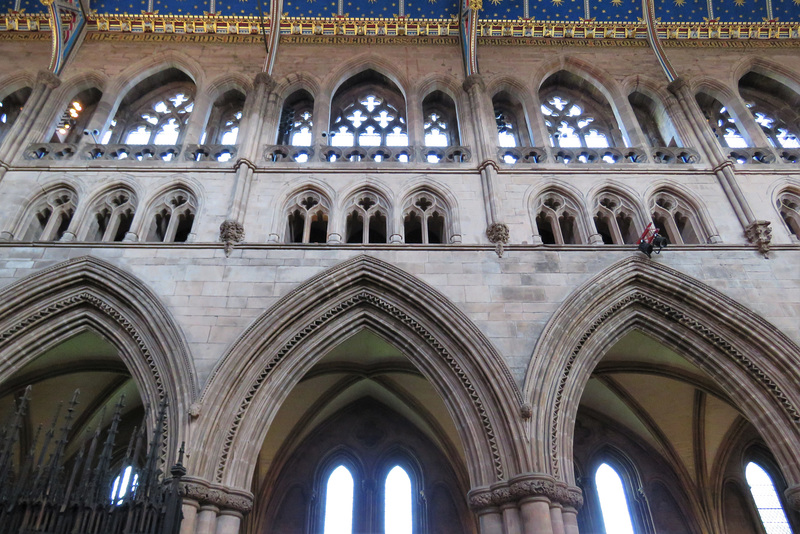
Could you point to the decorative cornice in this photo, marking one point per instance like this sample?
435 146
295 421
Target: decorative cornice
206 493
524 487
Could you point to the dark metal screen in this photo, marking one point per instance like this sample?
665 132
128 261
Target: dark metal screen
44 492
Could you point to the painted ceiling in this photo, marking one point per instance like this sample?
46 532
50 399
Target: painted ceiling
668 11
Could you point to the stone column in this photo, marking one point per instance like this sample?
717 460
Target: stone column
197 119
556 518
221 508
189 523
535 513
207 519
570 517
511 519
485 143
16 139
228 522
490 521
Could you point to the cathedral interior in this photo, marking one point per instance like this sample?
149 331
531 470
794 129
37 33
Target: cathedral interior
382 266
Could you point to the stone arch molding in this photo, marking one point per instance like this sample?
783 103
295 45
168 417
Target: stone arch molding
248 386
85 293
751 360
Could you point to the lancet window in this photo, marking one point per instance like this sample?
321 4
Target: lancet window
557 219
424 219
368 111
439 120
297 119
613 500
766 499
509 115
155 112
223 122
308 219
789 207
366 220
173 217
774 107
51 216
74 119
10 108
723 125
112 216
615 219
675 219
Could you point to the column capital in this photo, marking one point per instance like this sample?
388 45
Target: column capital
48 79
526 487
677 85
472 81
266 80
222 497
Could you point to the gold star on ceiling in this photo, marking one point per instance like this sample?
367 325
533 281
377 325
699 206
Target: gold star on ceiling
680 3
797 2
558 2
616 2
738 2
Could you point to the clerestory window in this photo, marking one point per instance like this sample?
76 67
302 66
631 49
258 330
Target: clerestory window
788 205
51 215
308 219
774 108
722 123
425 219
296 122
172 217
509 115
75 118
10 108
366 219
613 501
675 219
615 219
557 219
112 216
656 125
368 110
223 122
156 111
573 124
439 120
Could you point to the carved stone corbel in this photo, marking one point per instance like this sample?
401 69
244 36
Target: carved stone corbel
230 233
759 233
498 234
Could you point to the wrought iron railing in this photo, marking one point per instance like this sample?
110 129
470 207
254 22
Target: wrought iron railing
44 491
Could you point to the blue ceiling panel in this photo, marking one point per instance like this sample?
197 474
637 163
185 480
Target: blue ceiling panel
240 8
433 9
682 10
310 8
181 7
26 6
556 10
503 9
740 10
117 7
615 10
370 8
786 10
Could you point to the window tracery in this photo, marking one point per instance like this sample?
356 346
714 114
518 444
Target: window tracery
675 219
512 128
223 122
572 123
296 122
557 219
10 108
368 111
615 219
51 216
788 205
173 217
366 220
112 216
308 219
723 125
439 120
156 111
424 219
75 118
774 107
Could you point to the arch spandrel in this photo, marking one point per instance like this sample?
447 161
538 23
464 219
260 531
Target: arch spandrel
88 294
249 384
750 359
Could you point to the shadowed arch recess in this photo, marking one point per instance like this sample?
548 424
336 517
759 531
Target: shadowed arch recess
88 294
748 358
285 342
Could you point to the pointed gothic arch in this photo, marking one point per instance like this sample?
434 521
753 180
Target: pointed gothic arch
249 384
88 294
746 356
